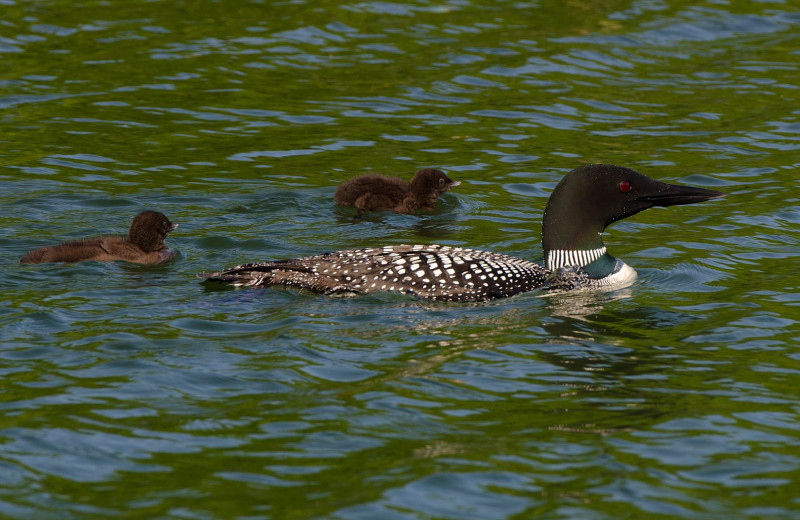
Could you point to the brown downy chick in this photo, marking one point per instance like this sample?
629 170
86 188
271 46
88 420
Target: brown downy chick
143 245
380 193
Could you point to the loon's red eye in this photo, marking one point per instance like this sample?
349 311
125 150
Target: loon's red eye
624 186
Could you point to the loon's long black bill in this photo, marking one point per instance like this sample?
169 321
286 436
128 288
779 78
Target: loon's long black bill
673 194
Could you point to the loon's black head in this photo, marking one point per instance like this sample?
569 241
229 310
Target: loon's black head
148 230
591 197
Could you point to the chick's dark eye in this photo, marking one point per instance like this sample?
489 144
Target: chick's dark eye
624 186
441 182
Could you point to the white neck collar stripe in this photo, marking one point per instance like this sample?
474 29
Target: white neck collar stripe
558 258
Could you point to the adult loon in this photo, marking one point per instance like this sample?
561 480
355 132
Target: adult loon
143 245
586 200
380 193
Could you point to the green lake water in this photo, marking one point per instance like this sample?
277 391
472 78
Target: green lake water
138 392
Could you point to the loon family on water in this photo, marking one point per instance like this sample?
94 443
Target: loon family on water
586 200
582 205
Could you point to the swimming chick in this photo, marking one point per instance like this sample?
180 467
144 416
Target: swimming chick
584 202
143 245
380 193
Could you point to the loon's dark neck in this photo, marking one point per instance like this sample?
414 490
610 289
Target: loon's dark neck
572 227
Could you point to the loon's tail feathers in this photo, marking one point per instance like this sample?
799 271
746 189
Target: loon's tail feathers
256 273
281 272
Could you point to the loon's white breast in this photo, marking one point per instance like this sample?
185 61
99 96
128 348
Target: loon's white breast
623 276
